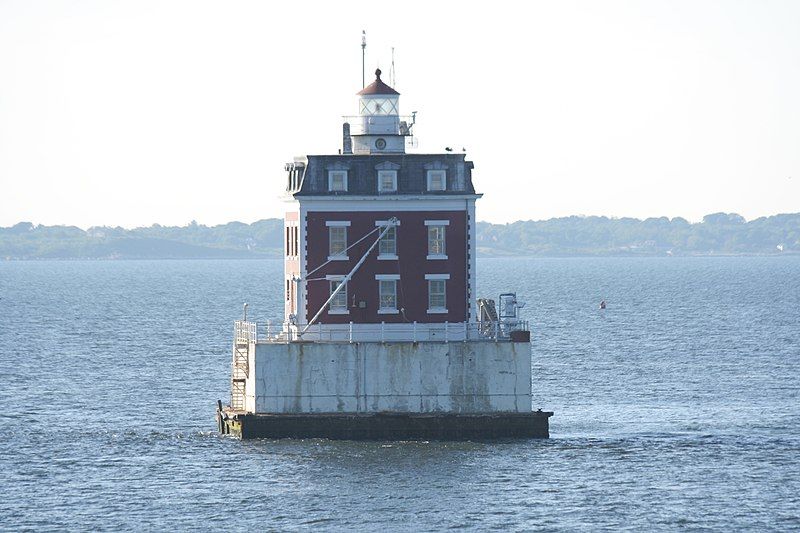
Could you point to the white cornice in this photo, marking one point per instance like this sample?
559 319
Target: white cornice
382 203
391 197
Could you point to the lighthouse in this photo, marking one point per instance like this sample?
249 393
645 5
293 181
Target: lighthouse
383 335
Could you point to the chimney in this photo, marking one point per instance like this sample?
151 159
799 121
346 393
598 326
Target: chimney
347 141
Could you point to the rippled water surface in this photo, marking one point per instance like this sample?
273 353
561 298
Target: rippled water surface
676 408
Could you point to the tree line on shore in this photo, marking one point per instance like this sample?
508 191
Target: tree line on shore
716 234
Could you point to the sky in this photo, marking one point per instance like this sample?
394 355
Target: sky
130 113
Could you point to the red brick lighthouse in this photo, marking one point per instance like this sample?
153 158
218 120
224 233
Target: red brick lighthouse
422 206
383 336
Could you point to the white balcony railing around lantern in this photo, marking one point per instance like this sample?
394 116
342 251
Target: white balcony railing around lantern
379 124
384 332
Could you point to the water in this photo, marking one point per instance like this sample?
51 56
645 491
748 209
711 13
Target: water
676 408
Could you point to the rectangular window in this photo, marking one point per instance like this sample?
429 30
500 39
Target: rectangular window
339 302
292 241
436 242
387 180
387 289
337 180
437 298
436 180
388 243
338 240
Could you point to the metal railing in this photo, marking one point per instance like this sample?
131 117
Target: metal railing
380 124
380 332
245 332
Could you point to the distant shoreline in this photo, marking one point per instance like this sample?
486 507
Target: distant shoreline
718 235
480 256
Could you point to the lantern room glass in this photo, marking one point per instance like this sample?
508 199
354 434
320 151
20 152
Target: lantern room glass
384 105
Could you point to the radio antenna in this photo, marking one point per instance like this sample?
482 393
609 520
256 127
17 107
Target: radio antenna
391 72
363 52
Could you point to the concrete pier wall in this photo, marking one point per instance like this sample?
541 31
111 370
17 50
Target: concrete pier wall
427 377
250 385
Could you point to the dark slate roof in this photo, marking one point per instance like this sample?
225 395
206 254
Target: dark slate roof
377 87
362 174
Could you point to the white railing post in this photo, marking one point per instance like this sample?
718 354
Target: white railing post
446 324
382 336
496 330
351 332
414 332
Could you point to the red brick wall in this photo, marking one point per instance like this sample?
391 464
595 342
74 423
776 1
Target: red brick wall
412 265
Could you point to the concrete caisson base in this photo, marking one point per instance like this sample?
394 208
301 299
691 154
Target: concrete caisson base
386 426
401 377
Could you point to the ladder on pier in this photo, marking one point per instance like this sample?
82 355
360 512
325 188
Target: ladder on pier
240 366
488 316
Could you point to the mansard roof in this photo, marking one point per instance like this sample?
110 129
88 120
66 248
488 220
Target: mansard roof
362 174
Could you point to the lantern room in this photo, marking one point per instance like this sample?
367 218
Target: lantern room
378 127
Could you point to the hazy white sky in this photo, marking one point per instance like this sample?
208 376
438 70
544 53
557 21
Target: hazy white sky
133 112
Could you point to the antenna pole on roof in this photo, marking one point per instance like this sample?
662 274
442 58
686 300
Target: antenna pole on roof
391 74
363 51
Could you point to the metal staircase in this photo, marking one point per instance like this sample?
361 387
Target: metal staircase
488 317
244 334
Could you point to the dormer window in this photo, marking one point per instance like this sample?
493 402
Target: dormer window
387 181
337 180
437 180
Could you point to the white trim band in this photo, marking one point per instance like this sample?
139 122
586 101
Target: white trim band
437 276
387 277
339 223
437 222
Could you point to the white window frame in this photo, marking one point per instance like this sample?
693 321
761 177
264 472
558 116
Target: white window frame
437 310
391 174
388 255
340 298
292 241
433 176
387 280
332 174
439 225
336 225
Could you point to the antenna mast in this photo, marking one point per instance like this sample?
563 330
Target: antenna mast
363 51
391 73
